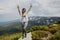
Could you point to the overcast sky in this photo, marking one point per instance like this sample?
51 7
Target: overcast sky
8 8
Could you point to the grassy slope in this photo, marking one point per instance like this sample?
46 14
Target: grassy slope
46 33
38 32
14 36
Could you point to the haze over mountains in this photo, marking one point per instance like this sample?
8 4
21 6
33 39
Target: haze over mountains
15 25
34 19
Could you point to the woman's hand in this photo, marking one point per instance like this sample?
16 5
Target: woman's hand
29 8
18 6
30 5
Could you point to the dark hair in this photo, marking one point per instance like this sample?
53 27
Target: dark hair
24 9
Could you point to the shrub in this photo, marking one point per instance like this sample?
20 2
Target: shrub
56 36
16 38
52 38
37 35
52 31
34 28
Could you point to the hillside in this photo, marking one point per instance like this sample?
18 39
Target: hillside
15 25
45 32
13 36
51 32
51 25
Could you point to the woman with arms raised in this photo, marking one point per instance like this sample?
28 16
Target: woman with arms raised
24 19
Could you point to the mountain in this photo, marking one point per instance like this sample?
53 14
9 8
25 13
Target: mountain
43 20
15 25
33 20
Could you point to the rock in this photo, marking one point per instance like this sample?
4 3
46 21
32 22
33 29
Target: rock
27 38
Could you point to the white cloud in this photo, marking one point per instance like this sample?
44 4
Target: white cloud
50 6
47 7
40 7
7 6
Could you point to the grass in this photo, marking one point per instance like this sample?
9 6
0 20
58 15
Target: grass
51 32
38 32
37 35
13 36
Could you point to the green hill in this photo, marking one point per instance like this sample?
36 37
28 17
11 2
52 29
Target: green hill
13 36
51 32
45 32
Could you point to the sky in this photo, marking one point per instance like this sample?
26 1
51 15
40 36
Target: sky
8 8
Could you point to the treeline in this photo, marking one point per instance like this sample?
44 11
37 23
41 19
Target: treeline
4 30
10 28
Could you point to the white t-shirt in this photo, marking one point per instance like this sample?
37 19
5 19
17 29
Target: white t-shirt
24 18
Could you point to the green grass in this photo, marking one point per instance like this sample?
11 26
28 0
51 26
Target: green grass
13 36
38 32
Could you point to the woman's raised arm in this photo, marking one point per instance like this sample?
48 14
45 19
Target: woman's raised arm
29 8
19 9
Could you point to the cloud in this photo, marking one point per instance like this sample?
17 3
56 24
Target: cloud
43 7
46 7
8 8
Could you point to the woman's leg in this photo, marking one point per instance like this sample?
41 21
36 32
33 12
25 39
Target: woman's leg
25 28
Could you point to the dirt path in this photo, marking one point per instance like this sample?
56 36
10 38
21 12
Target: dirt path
27 38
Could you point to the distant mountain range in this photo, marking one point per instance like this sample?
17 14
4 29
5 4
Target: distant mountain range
43 20
15 25
36 20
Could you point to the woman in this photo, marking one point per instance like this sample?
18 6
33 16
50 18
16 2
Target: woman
24 19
